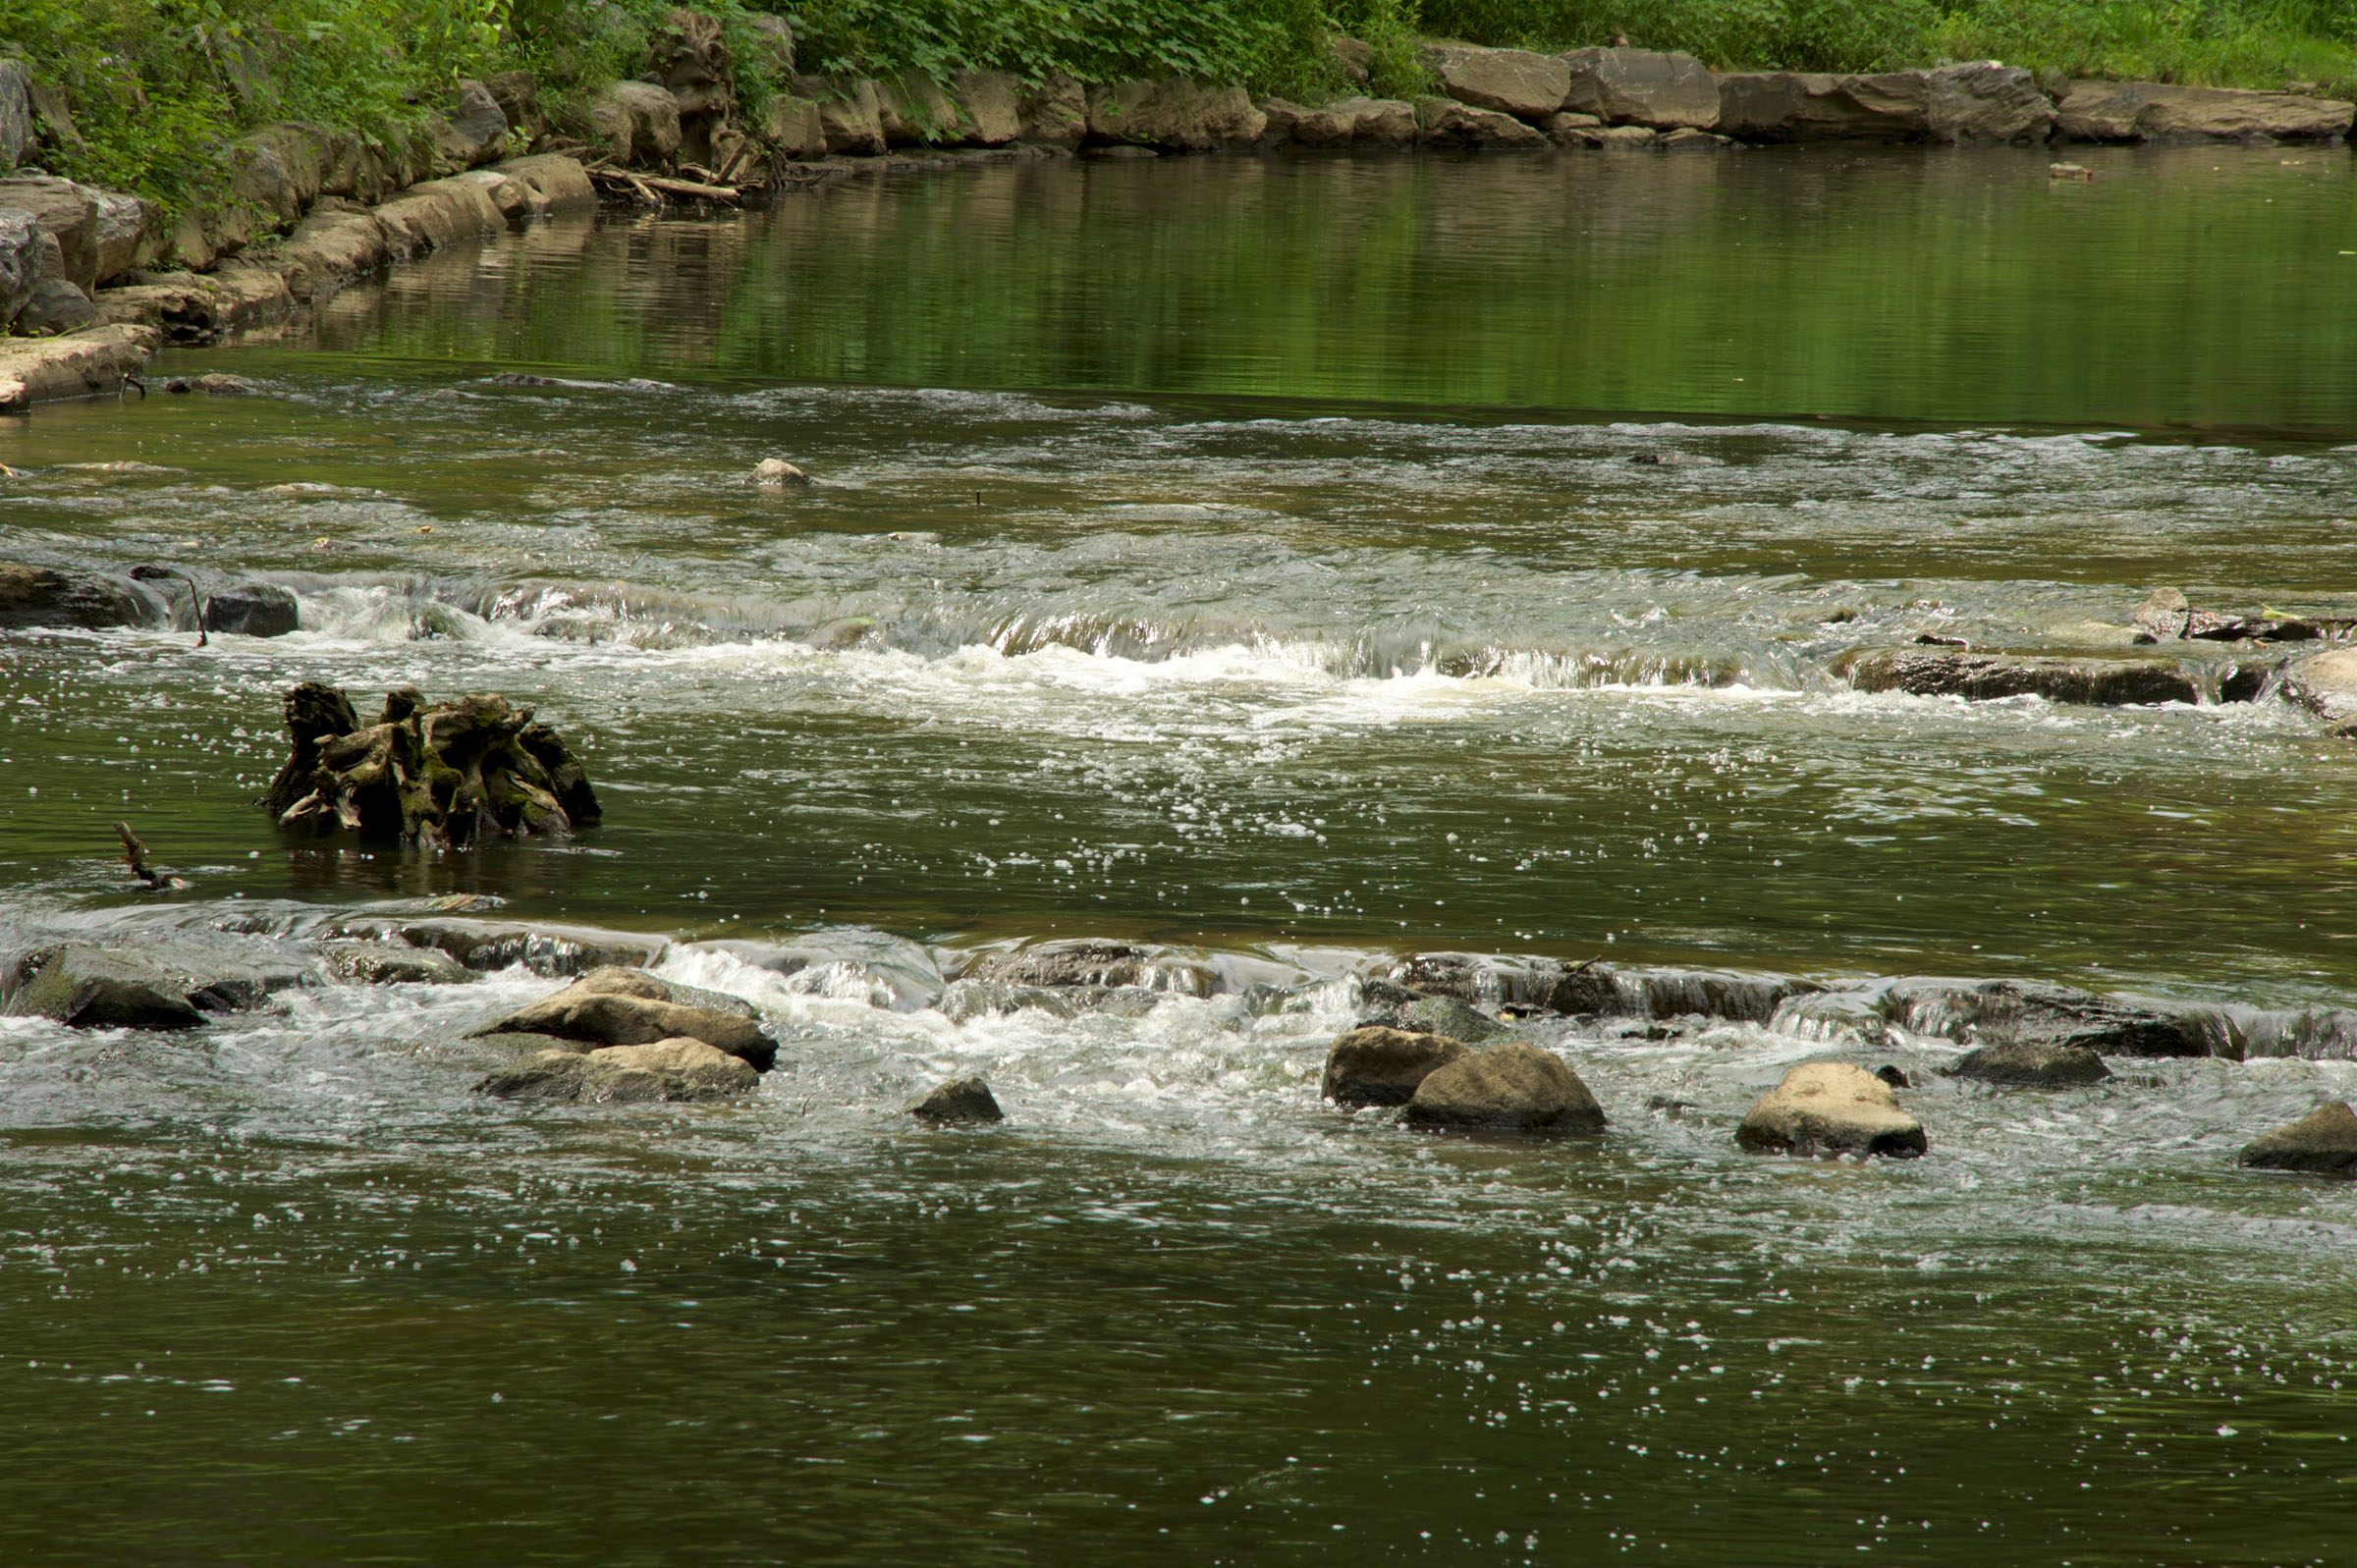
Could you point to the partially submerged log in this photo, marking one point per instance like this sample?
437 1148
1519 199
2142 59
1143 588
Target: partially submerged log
442 775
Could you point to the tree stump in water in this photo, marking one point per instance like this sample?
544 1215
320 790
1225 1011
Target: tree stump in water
441 776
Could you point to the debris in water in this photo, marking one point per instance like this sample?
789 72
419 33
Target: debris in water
134 856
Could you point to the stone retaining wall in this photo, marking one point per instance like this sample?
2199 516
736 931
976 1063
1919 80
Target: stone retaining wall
91 284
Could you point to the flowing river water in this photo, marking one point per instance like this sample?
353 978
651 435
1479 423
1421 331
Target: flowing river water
1291 567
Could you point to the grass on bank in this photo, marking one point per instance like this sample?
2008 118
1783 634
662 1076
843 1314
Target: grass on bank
151 88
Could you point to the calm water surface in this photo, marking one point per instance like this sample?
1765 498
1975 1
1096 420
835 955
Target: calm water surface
1298 566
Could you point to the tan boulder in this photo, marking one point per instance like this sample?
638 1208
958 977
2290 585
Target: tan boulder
1510 1088
1512 81
1376 1066
1830 1107
1642 87
2151 111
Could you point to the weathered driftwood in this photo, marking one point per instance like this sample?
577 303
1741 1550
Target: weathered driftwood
442 775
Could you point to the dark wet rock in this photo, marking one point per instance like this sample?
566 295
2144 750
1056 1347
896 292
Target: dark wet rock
1445 123
1642 86
965 1100
86 988
2019 1064
1588 989
1510 1088
2030 1012
1893 1076
16 113
1055 112
1507 81
252 610
2149 111
443 775
1376 1066
1830 1107
43 596
676 1070
553 950
1984 677
1092 963
2322 1142
616 1006
383 963
2326 684
2163 614
1731 994
1667 1109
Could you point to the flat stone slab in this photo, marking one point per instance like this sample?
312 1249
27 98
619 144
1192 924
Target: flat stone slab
1989 677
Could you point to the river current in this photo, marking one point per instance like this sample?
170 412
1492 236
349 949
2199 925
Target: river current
1291 567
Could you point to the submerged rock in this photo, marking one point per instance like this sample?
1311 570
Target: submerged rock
88 988
43 596
673 1070
1987 677
442 775
1375 1065
1830 1107
1093 962
2326 684
965 1100
2323 1142
556 951
2028 1012
2019 1064
631 1007
1509 1087
252 610
382 963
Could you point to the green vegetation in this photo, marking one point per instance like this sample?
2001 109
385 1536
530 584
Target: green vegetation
2243 43
154 86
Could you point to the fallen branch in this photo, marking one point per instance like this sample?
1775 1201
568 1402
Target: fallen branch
134 856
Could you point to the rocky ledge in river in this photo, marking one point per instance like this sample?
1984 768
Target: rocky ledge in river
162 985
443 775
625 1035
1831 1109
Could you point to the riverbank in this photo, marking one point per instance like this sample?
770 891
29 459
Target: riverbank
96 283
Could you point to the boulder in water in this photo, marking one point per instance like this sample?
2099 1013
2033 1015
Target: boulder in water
384 963
553 950
443 775
43 596
2322 1142
1830 1107
674 1069
1588 989
965 1100
776 473
86 988
2026 1066
631 1007
2164 616
2028 1012
1988 676
1375 1065
252 610
1510 1088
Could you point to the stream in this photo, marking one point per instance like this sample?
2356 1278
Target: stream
1289 567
